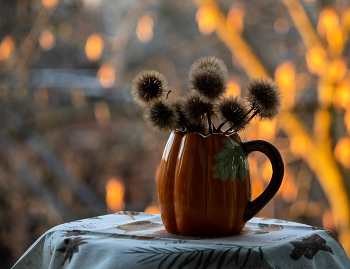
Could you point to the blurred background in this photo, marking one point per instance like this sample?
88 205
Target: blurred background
73 145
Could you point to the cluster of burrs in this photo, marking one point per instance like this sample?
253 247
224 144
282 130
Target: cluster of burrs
208 79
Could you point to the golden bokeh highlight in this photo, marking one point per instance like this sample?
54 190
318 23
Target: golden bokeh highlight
341 98
267 130
102 113
337 70
115 194
7 48
315 59
329 27
257 188
206 18
298 146
144 30
342 152
106 75
235 17
266 171
152 209
328 21
233 88
47 40
49 3
94 47
285 79
288 189
335 40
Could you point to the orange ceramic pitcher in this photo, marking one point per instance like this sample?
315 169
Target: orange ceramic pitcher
193 201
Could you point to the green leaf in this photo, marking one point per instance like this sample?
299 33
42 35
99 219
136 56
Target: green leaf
263 225
230 161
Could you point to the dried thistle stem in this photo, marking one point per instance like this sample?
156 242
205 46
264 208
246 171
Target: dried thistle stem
209 122
233 126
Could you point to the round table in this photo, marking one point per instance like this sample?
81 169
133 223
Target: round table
130 239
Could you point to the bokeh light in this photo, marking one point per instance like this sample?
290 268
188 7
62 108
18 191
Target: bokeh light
94 47
152 209
144 29
285 79
47 40
49 3
315 59
342 151
115 194
233 88
7 48
235 17
106 75
207 19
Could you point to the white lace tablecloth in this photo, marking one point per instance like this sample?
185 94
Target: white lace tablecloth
138 240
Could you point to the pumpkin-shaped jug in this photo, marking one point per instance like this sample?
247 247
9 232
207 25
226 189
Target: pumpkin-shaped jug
204 184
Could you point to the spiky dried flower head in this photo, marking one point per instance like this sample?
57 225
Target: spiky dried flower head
264 96
233 110
147 86
177 106
201 127
208 76
160 116
196 107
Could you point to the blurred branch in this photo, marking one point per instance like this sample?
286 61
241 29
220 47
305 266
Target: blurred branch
319 156
15 122
32 38
235 43
302 23
25 174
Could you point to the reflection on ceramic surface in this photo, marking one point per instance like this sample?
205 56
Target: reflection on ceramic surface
191 201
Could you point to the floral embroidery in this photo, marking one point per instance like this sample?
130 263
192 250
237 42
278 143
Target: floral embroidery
73 233
71 247
308 247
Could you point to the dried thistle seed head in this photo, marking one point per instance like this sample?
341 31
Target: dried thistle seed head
160 116
196 107
177 106
264 96
202 127
199 126
233 111
147 86
209 77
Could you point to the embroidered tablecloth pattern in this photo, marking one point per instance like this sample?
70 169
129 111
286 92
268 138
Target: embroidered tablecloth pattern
130 239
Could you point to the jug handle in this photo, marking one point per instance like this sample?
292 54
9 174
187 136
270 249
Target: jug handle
275 158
